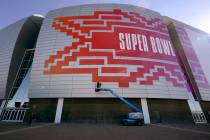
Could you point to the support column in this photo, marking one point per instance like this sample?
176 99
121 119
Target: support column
2 106
59 110
145 111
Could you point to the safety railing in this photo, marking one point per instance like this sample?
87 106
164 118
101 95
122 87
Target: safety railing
199 117
13 114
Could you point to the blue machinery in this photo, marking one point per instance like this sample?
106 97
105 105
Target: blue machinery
133 107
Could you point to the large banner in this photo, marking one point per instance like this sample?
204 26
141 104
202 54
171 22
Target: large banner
195 45
116 46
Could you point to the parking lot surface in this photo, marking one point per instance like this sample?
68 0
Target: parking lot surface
86 131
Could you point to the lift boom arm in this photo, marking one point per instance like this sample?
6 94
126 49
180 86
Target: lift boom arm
133 107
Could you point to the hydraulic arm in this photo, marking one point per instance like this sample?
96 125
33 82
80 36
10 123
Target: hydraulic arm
133 107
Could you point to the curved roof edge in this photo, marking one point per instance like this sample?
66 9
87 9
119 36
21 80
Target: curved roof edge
103 4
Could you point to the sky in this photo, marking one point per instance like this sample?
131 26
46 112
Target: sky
193 12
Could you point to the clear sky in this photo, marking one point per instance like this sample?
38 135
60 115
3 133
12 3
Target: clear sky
192 12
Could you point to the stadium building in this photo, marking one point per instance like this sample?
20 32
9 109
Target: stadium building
51 65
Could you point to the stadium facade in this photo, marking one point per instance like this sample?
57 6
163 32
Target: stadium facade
52 65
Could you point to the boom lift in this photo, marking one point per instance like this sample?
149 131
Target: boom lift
133 118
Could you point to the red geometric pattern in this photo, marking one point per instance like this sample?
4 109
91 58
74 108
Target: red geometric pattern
193 61
98 39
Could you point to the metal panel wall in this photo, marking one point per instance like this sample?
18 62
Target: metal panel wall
125 47
195 44
14 40
8 37
201 45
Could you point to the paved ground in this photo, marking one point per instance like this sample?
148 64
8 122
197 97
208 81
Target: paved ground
79 131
